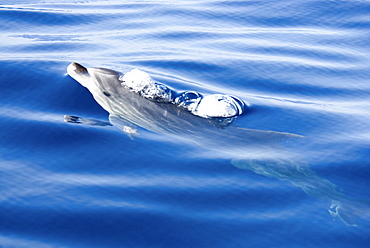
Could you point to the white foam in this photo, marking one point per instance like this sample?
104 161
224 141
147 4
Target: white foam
216 105
136 80
140 82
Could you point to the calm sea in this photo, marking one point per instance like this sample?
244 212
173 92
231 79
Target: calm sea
303 67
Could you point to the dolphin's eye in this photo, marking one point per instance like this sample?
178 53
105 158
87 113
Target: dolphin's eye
106 93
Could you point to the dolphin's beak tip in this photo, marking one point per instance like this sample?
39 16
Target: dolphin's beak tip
76 68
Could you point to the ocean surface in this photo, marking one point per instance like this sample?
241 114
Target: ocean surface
303 67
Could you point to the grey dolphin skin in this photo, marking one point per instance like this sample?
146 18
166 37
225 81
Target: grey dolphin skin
254 150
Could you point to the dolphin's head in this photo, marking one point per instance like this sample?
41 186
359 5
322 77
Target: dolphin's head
96 80
79 73
102 83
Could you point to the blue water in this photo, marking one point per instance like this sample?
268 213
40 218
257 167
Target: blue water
303 67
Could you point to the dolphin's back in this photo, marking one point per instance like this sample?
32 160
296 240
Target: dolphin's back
167 118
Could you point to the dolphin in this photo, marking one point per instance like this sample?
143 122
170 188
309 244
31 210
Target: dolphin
128 109
248 149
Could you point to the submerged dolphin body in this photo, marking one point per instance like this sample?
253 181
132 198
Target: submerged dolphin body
249 149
